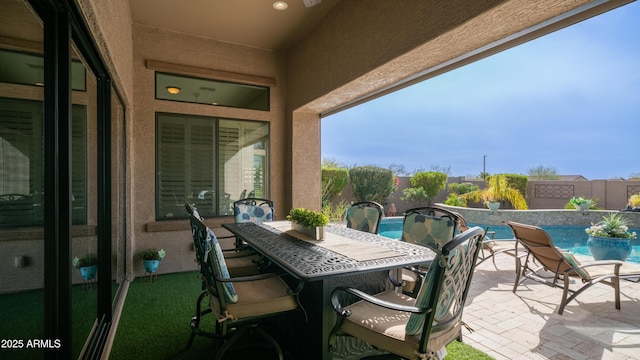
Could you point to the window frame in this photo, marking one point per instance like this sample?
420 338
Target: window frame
218 182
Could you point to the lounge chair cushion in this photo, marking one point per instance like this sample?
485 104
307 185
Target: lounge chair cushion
253 213
426 230
574 262
220 266
386 328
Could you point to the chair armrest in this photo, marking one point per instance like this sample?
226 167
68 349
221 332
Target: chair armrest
335 302
616 263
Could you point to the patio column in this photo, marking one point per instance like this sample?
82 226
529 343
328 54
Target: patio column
305 161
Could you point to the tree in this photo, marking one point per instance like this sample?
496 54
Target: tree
425 186
372 183
398 169
541 172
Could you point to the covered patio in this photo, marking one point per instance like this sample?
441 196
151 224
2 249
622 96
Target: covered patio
117 202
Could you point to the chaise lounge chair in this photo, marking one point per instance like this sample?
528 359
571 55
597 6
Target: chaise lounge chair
564 266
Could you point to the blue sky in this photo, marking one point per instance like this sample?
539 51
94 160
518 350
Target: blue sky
569 100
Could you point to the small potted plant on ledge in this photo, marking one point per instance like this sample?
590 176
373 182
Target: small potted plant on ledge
87 265
152 258
580 203
610 239
308 222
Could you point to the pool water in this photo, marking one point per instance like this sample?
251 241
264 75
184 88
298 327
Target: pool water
567 237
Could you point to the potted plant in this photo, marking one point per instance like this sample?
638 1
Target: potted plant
610 238
581 203
152 258
498 190
308 222
87 265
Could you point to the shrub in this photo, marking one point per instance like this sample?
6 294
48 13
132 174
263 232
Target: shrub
426 185
334 180
499 189
337 212
634 201
372 183
455 200
462 188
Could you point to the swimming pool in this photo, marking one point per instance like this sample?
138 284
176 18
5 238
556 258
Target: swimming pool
571 238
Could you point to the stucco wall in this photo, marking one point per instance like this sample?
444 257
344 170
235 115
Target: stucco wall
366 46
180 49
539 217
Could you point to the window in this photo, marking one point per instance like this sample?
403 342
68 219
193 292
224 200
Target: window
211 92
21 159
208 162
28 69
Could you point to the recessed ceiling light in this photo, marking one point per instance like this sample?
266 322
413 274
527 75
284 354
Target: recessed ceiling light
280 5
173 89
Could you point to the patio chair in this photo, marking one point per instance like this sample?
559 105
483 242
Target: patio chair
239 262
427 226
238 303
365 216
563 266
249 209
415 328
491 246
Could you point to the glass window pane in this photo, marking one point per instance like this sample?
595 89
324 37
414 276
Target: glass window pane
21 159
195 153
28 69
21 174
211 92
242 161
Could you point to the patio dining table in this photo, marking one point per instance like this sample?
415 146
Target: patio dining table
345 257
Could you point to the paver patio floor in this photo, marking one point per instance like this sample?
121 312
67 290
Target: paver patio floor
526 325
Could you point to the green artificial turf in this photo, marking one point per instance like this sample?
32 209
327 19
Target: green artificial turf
155 320
23 319
155 323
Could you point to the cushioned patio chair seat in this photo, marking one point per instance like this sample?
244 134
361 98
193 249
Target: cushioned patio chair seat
386 328
258 298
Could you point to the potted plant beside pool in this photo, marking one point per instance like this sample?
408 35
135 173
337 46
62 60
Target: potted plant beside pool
87 265
581 203
308 222
610 239
151 258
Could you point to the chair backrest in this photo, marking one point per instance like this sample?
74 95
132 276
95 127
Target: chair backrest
446 286
254 210
365 216
212 263
540 245
429 226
